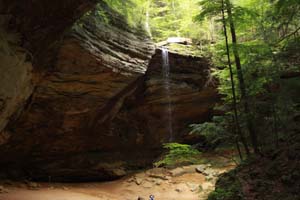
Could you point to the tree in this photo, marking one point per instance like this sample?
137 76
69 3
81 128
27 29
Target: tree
174 18
235 110
241 79
213 8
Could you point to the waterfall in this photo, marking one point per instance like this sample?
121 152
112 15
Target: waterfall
166 85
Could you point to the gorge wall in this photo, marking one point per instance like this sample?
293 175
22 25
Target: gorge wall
29 31
90 104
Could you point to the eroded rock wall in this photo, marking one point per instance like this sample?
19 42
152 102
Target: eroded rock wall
15 79
96 111
41 23
29 31
192 97
193 94
97 66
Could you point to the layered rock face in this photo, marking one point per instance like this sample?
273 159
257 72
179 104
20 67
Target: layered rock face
192 95
98 111
41 23
28 29
97 67
143 120
15 82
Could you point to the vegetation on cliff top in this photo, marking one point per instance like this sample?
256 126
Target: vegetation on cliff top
161 18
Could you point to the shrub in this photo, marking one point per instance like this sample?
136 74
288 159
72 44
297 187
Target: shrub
178 154
227 188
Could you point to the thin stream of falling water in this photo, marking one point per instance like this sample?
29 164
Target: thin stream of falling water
167 90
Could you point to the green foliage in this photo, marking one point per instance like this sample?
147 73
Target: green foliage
221 194
227 188
134 11
268 45
178 154
100 13
213 132
190 50
174 18
129 14
217 132
209 8
268 41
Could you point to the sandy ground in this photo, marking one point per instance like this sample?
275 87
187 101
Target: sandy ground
183 183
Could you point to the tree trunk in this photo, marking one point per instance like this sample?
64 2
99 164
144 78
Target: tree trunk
236 119
244 97
275 126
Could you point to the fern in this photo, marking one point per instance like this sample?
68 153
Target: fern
177 154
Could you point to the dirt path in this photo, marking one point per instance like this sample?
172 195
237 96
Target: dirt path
185 183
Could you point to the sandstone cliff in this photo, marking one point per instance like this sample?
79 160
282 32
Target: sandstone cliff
94 108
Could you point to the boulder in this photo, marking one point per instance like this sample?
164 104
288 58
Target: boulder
3 189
